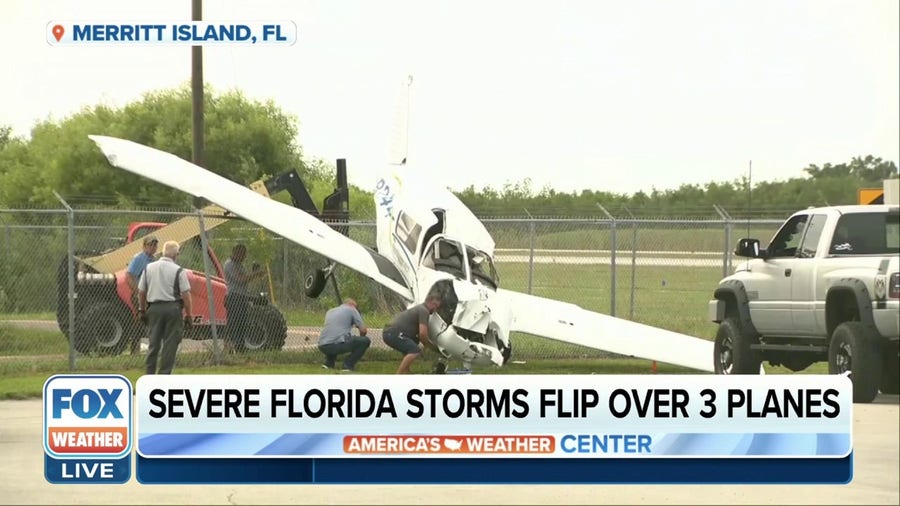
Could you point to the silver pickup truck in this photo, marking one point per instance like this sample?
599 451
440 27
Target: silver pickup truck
826 288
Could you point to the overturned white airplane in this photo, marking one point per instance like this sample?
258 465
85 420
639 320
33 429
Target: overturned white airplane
427 241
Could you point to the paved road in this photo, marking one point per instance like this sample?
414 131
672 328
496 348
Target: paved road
621 259
604 257
876 475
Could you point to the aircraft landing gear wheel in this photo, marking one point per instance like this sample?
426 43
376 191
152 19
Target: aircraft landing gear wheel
315 283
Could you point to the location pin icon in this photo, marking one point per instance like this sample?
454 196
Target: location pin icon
58 32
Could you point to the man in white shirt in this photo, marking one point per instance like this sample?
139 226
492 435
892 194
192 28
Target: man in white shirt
165 292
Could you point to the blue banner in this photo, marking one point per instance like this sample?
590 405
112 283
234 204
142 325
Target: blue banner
479 471
82 470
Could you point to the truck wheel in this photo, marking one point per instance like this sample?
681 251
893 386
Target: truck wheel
267 329
103 327
315 283
854 350
890 379
62 290
732 351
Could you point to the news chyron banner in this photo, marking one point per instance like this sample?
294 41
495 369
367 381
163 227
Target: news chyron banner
88 429
484 429
494 429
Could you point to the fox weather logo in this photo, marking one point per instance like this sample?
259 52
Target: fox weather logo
87 429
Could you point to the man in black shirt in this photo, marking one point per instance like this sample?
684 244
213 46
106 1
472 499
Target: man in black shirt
408 332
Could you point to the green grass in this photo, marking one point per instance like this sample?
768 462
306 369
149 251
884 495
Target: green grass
16 341
673 298
696 236
46 315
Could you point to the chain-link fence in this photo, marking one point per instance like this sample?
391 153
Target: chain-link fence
79 315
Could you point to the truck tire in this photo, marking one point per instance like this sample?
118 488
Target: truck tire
62 291
267 329
103 327
854 350
890 375
315 283
732 351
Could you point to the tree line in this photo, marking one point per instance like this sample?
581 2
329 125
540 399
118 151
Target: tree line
247 140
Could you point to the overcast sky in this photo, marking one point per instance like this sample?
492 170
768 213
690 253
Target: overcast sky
605 95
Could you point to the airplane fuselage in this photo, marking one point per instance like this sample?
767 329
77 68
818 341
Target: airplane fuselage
437 244
473 323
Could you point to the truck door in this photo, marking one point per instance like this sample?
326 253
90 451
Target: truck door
771 306
803 280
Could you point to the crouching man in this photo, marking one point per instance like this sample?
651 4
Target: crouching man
408 332
336 337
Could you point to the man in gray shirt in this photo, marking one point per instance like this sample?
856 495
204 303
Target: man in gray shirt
336 337
237 299
408 332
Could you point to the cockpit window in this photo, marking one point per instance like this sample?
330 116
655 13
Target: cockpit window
408 231
445 256
482 268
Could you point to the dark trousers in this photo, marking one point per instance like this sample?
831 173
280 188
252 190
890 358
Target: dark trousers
237 309
356 346
400 341
166 329
134 342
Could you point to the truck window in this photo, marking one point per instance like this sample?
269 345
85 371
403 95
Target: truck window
813 234
786 241
867 234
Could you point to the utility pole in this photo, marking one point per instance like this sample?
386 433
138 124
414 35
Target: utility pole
197 90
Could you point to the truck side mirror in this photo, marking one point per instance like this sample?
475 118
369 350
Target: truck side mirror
749 248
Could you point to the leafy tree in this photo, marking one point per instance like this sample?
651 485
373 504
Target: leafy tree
869 169
245 141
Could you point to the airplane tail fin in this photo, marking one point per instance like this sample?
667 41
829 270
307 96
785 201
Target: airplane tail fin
399 148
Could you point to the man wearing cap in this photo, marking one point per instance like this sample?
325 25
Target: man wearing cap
133 274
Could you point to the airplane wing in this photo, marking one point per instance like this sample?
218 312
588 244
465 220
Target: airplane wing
287 221
570 323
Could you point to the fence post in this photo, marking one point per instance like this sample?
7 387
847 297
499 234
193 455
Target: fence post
7 242
530 251
70 248
284 270
729 229
213 323
726 255
612 260
633 262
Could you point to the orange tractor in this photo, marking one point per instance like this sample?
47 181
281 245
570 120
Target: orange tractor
104 308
